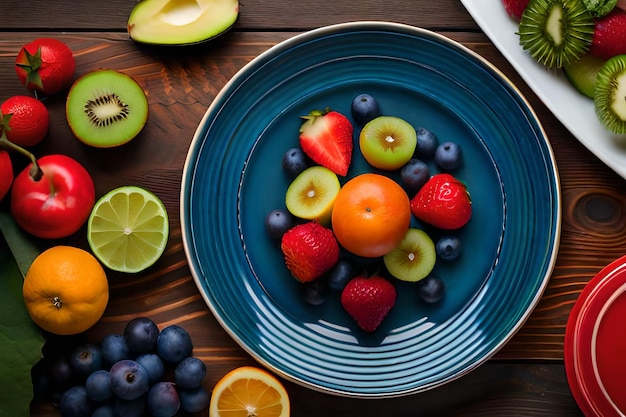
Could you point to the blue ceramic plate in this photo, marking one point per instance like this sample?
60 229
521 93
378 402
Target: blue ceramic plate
233 177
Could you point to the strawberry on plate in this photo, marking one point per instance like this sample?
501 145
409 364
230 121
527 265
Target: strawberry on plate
310 250
609 35
443 202
368 300
326 137
46 65
24 120
515 8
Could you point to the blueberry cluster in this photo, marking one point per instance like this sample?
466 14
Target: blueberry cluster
142 372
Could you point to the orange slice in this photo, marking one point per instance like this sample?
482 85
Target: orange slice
249 391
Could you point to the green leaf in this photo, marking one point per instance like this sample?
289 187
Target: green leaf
23 249
20 339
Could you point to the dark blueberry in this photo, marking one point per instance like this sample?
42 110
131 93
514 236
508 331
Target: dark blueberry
294 161
129 408
129 380
75 403
163 399
340 274
85 359
430 289
194 400
141 334
40 379
448 247
105 410
277 222
153 364
364 108
414 175
189 373
60 373
427 143
448 156
315 292
98 386
174 344
114 348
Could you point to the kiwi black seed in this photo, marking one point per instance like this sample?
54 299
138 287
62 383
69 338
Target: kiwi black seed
556 32
610 94
106 108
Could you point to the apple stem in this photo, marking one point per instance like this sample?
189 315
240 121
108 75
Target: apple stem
35 171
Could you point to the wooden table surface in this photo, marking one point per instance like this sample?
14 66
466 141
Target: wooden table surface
525 378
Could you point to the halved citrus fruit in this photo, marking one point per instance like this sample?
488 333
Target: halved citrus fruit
249 391
128 229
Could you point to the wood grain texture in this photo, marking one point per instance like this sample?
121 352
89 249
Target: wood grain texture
525 378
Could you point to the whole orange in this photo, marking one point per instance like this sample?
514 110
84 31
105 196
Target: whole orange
371 215
65 290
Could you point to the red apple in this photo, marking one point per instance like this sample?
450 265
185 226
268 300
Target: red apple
57 204
6 173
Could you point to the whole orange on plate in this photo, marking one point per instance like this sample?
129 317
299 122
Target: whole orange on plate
371 215
65 290
249 391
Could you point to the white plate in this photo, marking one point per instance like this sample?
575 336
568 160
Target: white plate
573 109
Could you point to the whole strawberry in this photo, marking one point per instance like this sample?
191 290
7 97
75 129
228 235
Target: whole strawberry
515 8
443 202
310 250
609 36
368 300
46 65
24 120
326 137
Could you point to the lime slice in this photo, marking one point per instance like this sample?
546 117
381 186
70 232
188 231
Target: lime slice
128 229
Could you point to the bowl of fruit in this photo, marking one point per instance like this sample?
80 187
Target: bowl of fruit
370 209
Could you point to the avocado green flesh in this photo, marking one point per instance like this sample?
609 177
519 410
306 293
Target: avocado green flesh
181 22
106 108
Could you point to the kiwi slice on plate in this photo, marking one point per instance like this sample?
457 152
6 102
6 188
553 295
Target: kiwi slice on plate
556 32
106 108
610 94
414 258
600 7
583 72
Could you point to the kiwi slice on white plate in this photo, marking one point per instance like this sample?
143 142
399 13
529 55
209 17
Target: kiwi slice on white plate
583 72
599 8
106 108
556 32
610 94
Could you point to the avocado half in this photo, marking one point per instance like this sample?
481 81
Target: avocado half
181 22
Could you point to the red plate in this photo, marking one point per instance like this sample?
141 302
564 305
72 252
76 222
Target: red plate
595 344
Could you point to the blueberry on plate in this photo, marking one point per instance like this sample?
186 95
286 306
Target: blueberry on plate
430 289
315 292
340 274
448 247
277 222
448 156
427 143
294 161
414 175
364 108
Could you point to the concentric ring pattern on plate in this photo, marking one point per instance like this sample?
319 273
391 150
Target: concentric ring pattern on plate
232 178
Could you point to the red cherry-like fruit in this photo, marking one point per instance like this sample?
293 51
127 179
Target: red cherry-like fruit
46 65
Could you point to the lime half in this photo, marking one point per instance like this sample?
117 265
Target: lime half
128 229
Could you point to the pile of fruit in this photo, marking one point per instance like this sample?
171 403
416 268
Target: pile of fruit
54 196
141 369
332 226
587 40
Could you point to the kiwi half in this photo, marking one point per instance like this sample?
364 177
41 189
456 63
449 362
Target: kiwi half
106 108
583 72
610 94
414 258
556 32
